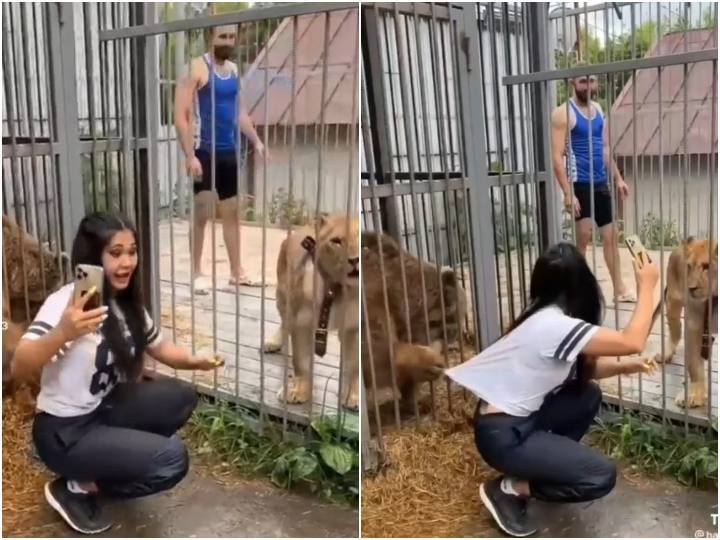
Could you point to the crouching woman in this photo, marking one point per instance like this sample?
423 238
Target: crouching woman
536 397
99 427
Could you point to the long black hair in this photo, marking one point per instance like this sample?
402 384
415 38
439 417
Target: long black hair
95 232
561 277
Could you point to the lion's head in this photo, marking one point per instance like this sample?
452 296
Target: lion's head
337 249
701 259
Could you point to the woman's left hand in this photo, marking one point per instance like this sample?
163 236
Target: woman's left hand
638 364
207 363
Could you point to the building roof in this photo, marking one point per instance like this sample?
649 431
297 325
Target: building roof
276 60
701 126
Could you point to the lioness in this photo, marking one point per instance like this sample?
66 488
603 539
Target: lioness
700 259
416 346
334 253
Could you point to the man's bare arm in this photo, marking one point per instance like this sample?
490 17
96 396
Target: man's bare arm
559 123
184 94
246 124
607 159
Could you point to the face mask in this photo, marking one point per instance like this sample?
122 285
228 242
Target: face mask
223 52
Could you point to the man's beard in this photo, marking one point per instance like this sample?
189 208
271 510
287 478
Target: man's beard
582 97
223 52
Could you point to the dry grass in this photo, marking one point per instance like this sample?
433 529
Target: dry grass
24 510
428 486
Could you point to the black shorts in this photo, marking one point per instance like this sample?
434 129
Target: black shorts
602 200
226 173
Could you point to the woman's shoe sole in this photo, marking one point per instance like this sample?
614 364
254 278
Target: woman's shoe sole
486 501
60 510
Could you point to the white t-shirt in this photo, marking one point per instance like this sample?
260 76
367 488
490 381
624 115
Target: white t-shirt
516 372
83 371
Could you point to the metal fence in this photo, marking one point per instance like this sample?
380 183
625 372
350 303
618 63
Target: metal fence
95 109
457 168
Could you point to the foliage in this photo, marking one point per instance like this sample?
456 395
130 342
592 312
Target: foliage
655 233
620 47
689 457
286 210
325 460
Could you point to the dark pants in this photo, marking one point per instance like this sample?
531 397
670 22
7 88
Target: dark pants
544 448
127 446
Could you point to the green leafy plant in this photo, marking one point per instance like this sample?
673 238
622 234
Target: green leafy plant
286 210
689 457
323 459
655 232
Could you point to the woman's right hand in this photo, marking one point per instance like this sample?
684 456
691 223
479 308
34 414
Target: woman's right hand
75 322
646 273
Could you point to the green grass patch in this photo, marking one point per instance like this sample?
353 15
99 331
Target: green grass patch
691 457
322 457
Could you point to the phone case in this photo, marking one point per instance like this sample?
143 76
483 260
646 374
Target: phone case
636 247
86 277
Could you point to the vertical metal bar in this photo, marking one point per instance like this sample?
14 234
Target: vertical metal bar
610 178
170 167
391 170
241 166
522 159
500 148
10 109
240 152
189 180
449 41
52 134
104 72
488 77
120 201
266 142
31 131
41 77
445 167
712 226
212 69
27 203
428 158
127 126
321 177
377 225
291 195
517 222
661 164
637 174
351 186
591 176
404 67
447 44
472 118
403 235
90 96
686 371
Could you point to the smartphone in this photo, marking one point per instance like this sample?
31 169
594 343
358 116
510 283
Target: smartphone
86 277
636 248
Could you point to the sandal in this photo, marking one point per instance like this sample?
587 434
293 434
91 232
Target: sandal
246 281
628 297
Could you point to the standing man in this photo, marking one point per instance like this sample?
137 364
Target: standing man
579 134
226 107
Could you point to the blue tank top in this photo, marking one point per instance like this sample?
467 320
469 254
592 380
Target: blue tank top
579 147
226 93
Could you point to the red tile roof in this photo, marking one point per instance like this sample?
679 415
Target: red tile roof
701 126
276 60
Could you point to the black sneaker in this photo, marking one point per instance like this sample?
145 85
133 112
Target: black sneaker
80 510
509 511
